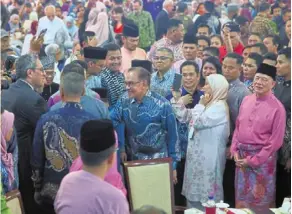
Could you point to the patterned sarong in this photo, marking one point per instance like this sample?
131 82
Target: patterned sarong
255 187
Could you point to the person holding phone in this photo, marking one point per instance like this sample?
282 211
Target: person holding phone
208 125
191 96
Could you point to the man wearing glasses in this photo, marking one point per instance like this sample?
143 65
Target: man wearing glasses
162 80
27 105
149 121
50 87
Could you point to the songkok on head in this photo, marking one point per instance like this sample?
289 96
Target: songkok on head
89 33
267 70
48 62
146 64
131 30
101 91
190 39
95 53
97 135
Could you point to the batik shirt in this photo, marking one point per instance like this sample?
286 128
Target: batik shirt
166 43
93 82
249 85
183 127
146 28
55 147
162 85
150 125
114 82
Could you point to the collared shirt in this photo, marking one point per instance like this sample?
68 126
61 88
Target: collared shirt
93 82
183 127
52 28
166 43
27 83
176 66
55 146
236 93
249 85
151 127
114 82
128 56
223 52
162 85
92 105
261 121
283 93
55 98
262 25
146 28
185 19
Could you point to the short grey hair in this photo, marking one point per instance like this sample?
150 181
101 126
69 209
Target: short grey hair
50 6
166 50
167 2
52 49
24 63
72 84
143 74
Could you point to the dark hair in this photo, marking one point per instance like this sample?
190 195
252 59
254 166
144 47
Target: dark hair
14 11
262 47
214 61
199 6
191 63
205 25
209 6
286 52
256 57
264 7
205 38
58 6
237 57
112 47
217 36
173 23
81 63
4 15
119 2
270 56
241 20
274 6
138 1
181 7
248 46
275 39
143 74
284 11
118 10
27 4
213 50
73 67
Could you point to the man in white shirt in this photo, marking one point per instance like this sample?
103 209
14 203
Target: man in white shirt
52 23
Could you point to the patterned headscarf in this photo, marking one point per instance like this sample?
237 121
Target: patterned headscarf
48 62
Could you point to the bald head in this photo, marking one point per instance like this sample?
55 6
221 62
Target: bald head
50 12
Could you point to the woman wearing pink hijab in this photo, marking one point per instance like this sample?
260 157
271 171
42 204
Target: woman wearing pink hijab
9 155
113 176
98 23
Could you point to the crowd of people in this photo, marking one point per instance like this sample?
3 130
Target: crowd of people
89 85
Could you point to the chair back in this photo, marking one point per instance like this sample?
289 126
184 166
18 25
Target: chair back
14 202
149 182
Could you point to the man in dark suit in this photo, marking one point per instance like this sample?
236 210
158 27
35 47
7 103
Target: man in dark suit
163 18
27 106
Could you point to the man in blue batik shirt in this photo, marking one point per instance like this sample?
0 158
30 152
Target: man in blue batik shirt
191 97
56 141
149 121
162 80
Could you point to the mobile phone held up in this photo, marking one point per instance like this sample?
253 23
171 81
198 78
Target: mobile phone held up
177 81
43 32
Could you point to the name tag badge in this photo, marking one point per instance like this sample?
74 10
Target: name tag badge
191 133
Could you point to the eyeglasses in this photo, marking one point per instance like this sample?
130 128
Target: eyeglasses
162 58
131 84
40 69
50 73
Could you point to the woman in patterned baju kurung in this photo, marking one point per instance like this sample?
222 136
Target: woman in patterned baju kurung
208 135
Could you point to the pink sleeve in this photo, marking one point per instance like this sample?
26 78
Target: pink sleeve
273 143
97 96
77 165
234 143
50 102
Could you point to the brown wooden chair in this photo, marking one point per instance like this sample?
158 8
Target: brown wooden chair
14 202
150 182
